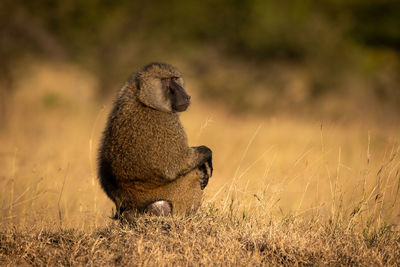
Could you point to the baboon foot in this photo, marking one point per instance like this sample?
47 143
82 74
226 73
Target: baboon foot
127 216
205 172
159 208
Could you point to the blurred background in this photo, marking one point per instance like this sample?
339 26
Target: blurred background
312 89
251 56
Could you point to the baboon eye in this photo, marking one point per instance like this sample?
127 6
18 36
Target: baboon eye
174 78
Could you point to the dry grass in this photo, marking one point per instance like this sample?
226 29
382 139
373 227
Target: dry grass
207 239
285 190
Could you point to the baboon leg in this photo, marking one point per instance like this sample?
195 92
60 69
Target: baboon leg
180 197
183 196
159 208
185 193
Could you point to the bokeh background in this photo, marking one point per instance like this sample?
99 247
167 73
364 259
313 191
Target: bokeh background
292 96
264 56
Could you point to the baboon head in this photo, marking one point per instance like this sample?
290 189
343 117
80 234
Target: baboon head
161 87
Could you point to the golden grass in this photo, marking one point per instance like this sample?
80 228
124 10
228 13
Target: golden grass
285 190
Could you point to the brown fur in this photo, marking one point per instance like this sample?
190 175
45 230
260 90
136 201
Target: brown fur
184 194
144 156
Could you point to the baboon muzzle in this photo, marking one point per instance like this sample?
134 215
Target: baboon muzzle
181 100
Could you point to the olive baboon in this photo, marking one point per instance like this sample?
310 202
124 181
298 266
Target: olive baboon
145 163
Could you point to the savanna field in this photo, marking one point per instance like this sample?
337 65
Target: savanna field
286 189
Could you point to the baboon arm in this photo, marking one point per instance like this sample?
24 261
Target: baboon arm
197 156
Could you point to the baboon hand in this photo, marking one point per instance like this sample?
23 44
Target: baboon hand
209 166
205 173
205 166
205 154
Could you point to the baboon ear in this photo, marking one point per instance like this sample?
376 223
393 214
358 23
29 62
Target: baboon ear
152 94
